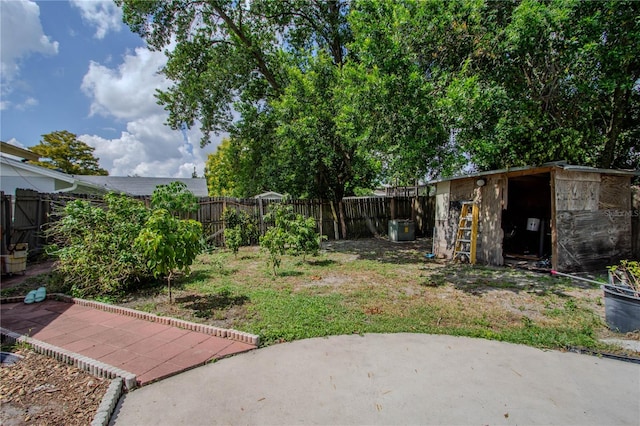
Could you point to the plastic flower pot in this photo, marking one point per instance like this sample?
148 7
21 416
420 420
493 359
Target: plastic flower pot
622 308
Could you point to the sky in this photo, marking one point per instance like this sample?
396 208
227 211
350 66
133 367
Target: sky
73 65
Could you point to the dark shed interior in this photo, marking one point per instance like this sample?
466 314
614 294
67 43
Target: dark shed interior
526 221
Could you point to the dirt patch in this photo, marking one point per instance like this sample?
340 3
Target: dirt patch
39 390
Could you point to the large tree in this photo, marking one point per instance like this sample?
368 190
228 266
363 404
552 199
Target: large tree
244 56
511 83
61 150
554 80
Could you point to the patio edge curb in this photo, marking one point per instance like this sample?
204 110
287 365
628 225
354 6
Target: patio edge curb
239 336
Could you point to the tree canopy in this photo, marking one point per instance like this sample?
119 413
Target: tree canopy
321 98
63 151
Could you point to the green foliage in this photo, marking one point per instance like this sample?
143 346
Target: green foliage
291 234
169 244
332 96
240 229
63 151
175 198
105 250
218 171
627 273
95 245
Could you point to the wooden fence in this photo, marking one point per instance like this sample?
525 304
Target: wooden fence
364 217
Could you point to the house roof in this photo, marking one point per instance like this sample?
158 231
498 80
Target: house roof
53 174
144 185
547 167
7 148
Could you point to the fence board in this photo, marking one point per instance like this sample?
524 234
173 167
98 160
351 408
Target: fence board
365 217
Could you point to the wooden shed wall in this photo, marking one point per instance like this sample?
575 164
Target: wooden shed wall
449 198
593 223
491 234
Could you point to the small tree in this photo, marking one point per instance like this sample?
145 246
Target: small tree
240 229
175 198
291 234
170 244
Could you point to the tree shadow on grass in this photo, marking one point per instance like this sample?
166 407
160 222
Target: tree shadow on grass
383 250
484 279
203 305
322 263
289 273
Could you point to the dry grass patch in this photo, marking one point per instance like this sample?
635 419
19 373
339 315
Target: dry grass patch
373 285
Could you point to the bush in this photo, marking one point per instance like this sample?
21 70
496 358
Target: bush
169 244
291 234
94 245
240 229
175 198
105 250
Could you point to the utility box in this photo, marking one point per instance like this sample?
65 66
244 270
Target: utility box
402 230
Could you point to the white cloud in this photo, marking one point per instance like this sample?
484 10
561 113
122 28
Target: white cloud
128 91
21 34
105 16
28 103
148 147
15 142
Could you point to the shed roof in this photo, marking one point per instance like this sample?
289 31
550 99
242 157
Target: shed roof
532 170
144 185
270 195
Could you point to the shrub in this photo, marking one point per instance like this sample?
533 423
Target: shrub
175 198
291 234
94 245
240 229
169 244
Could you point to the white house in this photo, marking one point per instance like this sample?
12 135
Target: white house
17 174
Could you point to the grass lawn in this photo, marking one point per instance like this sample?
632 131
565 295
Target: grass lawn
374 286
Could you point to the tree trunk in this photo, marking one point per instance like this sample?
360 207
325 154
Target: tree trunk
620 102
343 220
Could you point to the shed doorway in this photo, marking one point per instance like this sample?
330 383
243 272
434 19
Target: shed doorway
526 220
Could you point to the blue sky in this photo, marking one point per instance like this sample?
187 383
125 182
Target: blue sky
72 65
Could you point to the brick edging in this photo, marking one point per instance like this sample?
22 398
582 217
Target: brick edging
92 366
230 334
108 403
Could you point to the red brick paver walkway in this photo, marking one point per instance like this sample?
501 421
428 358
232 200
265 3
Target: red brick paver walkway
147 349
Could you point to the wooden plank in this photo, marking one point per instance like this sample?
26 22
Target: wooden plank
577 195
635 222
491 233
614 193
554 223
574 176
591 240
462 189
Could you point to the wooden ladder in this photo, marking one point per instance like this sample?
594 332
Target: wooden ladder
467 235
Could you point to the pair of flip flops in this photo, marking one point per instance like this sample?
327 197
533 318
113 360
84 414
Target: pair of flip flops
36 295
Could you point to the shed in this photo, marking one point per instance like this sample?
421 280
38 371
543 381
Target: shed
269 195
573 218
